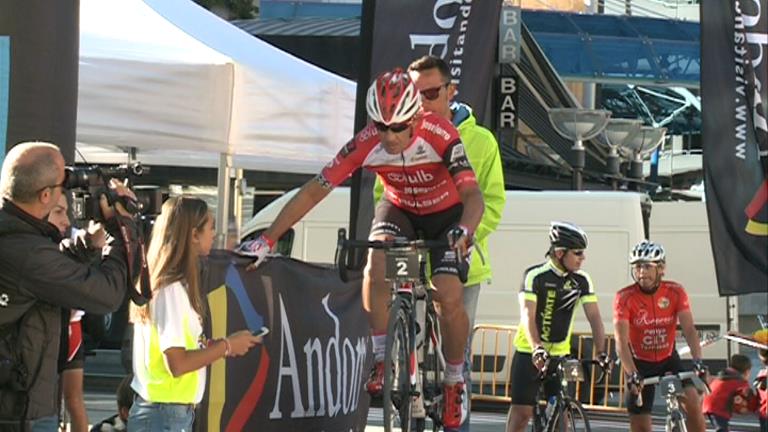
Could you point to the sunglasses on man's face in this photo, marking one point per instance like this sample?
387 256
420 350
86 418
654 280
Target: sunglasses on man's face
432 93
394 127
578 253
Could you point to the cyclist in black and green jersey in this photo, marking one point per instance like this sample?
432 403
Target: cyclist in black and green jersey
549 296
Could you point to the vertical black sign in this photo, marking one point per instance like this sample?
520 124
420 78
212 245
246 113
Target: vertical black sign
43 39
734 89
462 32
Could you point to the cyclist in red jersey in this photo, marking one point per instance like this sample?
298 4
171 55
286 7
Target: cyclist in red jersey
429 187
645 317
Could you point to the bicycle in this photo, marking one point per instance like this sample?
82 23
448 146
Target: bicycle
672 386
414 361
561 412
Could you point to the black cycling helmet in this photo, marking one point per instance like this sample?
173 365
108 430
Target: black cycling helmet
567 235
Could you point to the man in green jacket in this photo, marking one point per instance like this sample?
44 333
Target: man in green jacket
433 79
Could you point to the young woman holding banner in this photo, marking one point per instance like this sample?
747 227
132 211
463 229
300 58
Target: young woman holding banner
170 352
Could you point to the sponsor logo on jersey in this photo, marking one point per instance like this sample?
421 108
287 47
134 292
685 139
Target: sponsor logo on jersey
546 319
348 148
663 303
417 177
643 319
367 134
435 129
457 152
323 181
420 154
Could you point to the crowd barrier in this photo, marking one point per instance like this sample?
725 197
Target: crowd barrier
491 378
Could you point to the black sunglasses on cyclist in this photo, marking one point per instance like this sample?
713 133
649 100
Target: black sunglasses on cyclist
432 93
578 252
394 127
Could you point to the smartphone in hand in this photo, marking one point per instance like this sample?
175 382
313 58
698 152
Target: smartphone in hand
260 332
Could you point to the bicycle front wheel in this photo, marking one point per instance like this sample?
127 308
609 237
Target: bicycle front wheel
569 418
397 384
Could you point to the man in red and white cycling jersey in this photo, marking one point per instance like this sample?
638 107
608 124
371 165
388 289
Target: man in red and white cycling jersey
429 187
645 317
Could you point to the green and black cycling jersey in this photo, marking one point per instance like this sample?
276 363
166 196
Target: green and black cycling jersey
556 294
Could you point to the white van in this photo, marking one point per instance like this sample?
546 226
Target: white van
613 221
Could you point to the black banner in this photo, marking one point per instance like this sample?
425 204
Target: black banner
42 103
462 32
311 370
734 91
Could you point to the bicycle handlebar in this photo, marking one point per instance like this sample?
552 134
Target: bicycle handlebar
700 384
343 245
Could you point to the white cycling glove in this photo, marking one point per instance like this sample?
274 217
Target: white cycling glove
256 249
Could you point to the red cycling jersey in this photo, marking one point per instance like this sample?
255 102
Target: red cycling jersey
424 179
652 318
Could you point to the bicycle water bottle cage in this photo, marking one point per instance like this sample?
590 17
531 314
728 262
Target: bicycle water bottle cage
671 385
572 370
402 265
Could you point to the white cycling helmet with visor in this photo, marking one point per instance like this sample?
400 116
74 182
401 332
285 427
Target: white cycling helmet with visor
647 251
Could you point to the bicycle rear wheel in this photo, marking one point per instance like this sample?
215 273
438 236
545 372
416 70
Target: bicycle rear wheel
397 385
570 418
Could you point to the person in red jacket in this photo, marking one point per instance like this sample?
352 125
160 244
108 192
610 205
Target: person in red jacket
762 393
730 393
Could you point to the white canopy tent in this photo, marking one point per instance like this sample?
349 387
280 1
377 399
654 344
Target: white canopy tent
183 86
179 86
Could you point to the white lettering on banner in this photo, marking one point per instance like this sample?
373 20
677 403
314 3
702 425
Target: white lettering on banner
744 36
344 357
439 42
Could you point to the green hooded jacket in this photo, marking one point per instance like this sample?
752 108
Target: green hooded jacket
483 153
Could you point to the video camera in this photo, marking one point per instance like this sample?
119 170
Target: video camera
88 183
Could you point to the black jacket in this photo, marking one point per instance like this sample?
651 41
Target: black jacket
38 282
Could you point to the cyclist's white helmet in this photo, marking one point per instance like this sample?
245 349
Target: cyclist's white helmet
392 98
567 235
647 251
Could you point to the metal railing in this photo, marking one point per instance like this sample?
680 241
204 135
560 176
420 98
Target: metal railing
492 382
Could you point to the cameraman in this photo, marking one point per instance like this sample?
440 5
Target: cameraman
39 282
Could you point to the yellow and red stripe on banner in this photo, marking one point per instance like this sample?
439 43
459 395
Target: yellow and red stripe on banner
217 391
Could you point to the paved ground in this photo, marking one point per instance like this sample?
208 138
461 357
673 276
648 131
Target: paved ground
101 404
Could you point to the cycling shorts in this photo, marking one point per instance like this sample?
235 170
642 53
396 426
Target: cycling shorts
671 365
393 221
525 379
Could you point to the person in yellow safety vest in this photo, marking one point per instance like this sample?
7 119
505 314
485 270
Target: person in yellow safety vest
433 80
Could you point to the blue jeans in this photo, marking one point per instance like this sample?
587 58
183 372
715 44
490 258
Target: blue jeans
719 423
471 295
160 417
45 424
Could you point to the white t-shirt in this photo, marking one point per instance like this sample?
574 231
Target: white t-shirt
173 324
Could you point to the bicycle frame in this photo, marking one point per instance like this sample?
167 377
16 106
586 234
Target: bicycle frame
411 294
568 370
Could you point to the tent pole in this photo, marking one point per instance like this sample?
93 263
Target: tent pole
238 209
222 204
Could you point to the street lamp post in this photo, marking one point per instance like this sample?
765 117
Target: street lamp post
618 132
577 125
641 145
